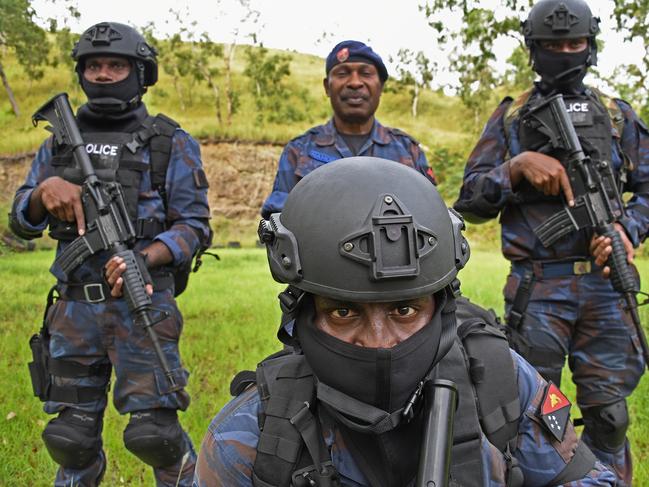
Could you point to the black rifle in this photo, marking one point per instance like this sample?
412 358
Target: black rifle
108 226
598 204
440 398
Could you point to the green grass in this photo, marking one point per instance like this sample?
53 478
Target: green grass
231 316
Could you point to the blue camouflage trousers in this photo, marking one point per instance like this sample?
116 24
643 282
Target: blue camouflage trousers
583 318
101 333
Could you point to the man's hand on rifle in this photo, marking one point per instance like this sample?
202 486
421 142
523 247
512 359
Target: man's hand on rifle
113 271
545 173
61 199
155 255
600 248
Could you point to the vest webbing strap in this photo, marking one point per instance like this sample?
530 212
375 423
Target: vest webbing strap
285 386
495 382
160 149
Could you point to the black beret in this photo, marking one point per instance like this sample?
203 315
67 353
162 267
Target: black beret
355 51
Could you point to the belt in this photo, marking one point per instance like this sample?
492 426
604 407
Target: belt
97 292
562 268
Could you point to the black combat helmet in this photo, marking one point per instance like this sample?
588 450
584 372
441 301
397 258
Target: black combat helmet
114 39
365 229
558 20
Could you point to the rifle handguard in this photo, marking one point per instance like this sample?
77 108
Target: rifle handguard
622 277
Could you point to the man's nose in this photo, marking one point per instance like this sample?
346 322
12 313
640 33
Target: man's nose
354 80
105 72
378 333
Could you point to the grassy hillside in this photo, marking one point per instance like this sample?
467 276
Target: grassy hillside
439 122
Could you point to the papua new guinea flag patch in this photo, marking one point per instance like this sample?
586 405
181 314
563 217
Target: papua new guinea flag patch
555 411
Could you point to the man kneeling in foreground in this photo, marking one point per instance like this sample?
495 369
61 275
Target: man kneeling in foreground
370 253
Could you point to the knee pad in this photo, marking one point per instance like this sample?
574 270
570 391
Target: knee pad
155 437
73 439
606 425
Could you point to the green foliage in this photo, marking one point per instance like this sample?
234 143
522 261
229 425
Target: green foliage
473 56
274 97
632 18
19 32
414 71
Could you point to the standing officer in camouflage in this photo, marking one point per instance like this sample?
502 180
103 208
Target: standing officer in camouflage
556 297
354 82
88 331
370 254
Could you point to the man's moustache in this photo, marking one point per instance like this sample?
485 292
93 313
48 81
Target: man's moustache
346 96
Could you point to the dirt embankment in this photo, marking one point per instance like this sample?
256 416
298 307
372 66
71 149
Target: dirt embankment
240 175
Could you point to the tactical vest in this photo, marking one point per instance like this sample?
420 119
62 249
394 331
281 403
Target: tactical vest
119 156
479 362
598 121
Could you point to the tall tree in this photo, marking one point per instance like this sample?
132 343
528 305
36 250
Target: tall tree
275 100
473 53
414 72
20 33
632 19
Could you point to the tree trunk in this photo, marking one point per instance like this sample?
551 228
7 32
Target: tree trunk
229 95
415 100
217 96
10 93
180 94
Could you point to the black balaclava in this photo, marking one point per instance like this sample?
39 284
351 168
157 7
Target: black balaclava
364 390
113 97
563 72
374 382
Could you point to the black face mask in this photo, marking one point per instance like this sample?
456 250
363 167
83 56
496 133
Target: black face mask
113 97
561 71
382 379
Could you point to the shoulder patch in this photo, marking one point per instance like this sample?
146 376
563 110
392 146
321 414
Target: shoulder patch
321 156
555 411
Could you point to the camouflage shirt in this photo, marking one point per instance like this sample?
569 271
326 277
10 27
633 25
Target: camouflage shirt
187 214
487 189
229 448
323 144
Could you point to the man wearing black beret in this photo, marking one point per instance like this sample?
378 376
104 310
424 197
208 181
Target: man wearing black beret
355 76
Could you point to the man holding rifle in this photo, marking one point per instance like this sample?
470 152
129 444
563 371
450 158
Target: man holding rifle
90 331
388 377
563 220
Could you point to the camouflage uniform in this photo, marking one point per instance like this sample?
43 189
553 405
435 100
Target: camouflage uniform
323 144
230 446
103 332
572 311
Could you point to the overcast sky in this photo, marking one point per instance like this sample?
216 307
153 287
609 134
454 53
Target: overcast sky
315 26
